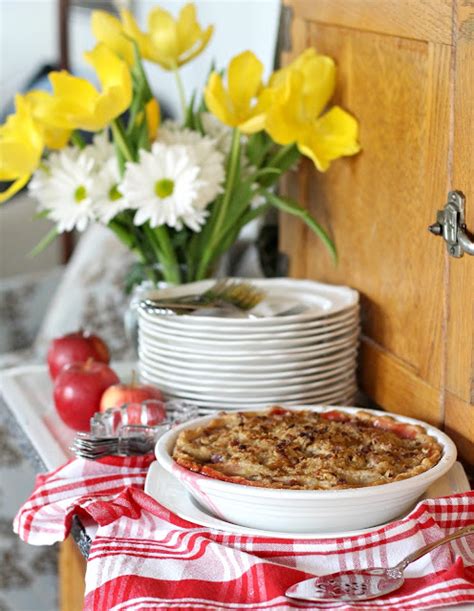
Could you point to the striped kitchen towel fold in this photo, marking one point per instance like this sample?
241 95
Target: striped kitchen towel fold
145 557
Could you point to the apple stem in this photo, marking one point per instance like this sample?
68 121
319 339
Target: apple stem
133 383
88 363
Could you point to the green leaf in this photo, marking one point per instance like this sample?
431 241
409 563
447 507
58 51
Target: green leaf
189 121
44 243
291 207
42 214
285 157
232 234
275 173
258 146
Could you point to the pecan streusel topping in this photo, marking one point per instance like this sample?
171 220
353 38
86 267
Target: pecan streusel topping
306 450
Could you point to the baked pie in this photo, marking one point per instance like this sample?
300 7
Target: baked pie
306 450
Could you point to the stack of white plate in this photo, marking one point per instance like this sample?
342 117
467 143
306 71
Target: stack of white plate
267 357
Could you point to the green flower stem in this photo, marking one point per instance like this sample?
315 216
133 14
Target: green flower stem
77 139
232 167
159 240
182 95
121 140
281 154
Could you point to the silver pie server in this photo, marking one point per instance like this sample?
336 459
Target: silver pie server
366 583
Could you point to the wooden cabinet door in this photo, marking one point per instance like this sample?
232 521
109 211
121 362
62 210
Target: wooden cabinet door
406 71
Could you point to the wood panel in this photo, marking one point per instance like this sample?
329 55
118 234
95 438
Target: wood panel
72 569
293 237
388 382
379 204
460 365
415 19
459 424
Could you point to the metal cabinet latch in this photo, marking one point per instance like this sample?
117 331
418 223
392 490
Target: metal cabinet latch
450 224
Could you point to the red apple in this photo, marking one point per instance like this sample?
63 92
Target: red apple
75 348
78 389
117 395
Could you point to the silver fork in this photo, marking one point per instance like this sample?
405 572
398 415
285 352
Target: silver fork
133 440
224 293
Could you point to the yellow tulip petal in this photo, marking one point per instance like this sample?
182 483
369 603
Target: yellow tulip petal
79 90
72 97
132 30
152 112
332 136
318 83
218 101
163 37
187 28
17 157
244 79
21 142
286 116
253 125
108 29
116 82
111 70
205 38
54 137
14 188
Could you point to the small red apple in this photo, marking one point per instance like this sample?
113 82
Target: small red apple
117 395
78 389
75 348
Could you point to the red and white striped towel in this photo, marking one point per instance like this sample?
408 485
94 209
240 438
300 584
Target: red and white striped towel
144 557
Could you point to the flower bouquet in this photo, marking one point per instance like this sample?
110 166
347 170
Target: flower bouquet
178 193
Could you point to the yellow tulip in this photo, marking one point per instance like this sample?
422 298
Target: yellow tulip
242 104
109 30
299 94
21 147
169 42
76 104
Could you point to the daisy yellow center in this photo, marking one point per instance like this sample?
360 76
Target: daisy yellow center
80 193
164 188
114 194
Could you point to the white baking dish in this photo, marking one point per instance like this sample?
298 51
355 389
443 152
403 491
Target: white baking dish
298 511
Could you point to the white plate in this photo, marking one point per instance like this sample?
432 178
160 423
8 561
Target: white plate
266 342
261 367
247 349
346 397
254 376
281 294
182 379
240 399
237 339
169 492
170 326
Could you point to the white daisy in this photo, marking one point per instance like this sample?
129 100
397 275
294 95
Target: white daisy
64 186
101 149
204 153
164 187
108 201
